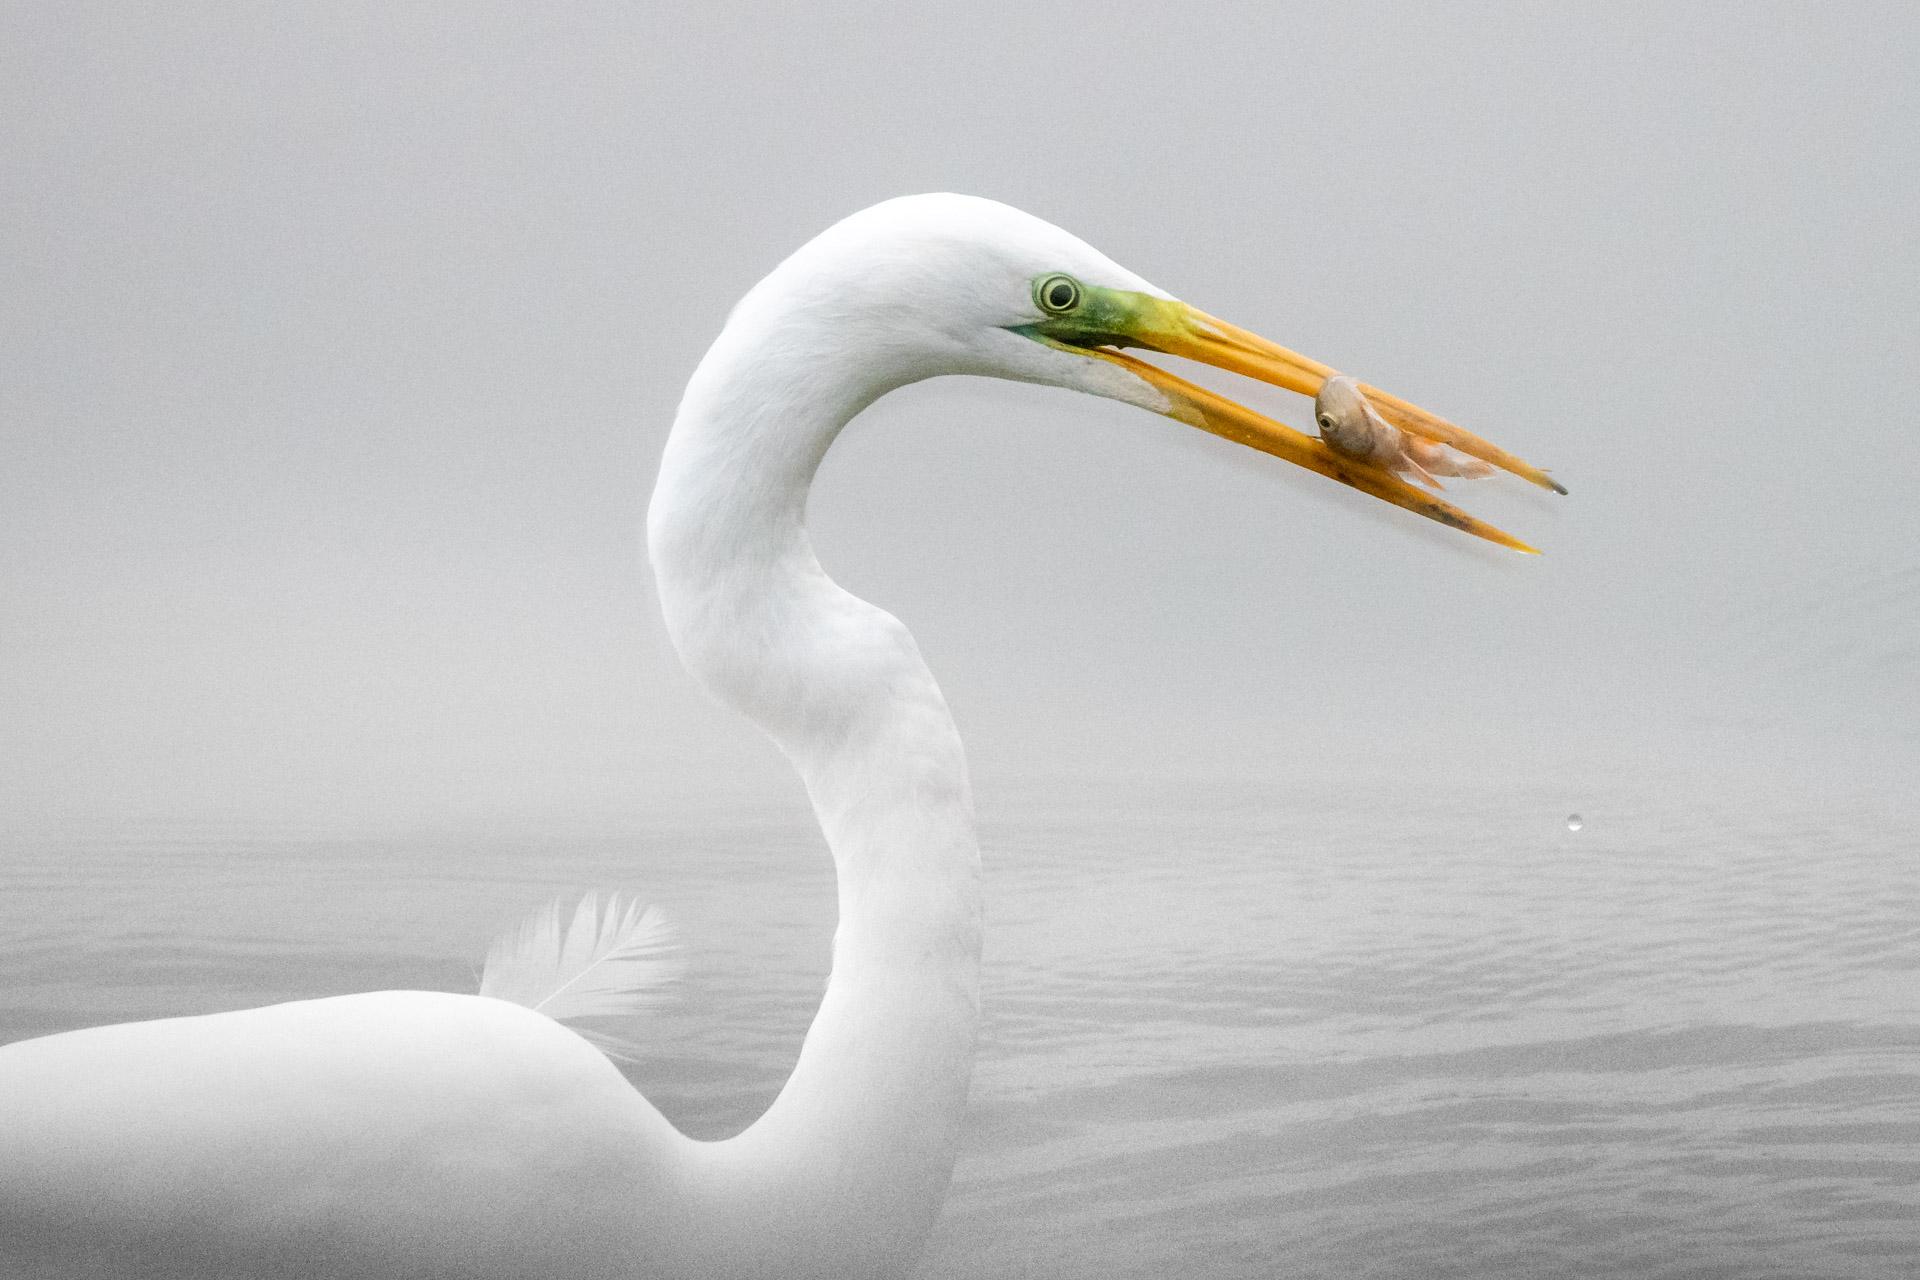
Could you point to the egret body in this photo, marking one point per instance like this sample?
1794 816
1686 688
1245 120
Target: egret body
426 1134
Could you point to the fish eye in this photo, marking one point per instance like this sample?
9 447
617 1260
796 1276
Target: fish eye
1057 294
1327 423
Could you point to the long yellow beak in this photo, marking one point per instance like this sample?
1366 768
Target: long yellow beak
1179 330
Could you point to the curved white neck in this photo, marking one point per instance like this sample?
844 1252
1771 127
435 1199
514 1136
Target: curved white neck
855 1154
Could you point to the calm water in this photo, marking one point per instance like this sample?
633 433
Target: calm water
1228 1033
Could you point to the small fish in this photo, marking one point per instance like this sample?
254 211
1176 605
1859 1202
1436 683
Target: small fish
1352 427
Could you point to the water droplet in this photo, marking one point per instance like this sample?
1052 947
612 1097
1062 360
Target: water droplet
1574 822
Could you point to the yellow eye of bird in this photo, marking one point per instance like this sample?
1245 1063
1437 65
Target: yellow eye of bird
1058 294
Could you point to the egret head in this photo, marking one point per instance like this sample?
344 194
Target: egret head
955 284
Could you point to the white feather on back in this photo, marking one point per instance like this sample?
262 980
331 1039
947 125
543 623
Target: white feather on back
614 958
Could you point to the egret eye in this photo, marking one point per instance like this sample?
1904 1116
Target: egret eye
1057 294
1326 422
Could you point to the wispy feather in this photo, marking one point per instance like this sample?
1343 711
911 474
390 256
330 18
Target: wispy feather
614 958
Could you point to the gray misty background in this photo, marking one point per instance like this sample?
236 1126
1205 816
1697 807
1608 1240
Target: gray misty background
340 341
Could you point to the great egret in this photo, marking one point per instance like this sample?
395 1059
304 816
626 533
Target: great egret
409 1133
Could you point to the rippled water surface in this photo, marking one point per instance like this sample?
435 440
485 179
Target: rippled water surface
1228 1033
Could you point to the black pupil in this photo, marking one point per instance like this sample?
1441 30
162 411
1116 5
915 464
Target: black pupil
1059 294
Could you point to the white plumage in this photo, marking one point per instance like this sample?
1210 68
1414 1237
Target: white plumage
611 957
423 1134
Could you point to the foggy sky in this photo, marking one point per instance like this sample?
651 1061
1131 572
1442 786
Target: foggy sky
341 340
